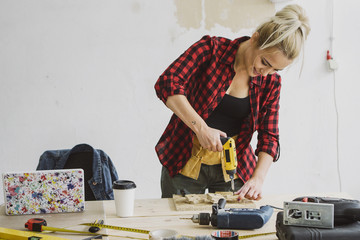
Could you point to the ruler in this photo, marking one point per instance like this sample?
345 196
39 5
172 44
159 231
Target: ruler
12 234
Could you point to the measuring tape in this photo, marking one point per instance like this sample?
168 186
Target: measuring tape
117 228
147 232
40 224
256 235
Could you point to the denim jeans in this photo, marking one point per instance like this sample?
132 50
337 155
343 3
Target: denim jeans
210 178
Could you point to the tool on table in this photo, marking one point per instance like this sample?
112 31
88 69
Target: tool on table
39 225
179 237
232 235
96 229
117 228
234 218
229 150
155 234
309 214
13 234
288 232
225 235
307 218
321 212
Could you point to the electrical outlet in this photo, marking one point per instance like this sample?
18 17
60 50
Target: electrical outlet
332 65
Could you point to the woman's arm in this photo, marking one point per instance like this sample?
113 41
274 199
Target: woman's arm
208 137
252 189
267 147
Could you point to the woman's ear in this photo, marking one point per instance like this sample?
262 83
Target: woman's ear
255 37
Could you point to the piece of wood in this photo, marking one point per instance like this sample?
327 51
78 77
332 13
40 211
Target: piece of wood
200 202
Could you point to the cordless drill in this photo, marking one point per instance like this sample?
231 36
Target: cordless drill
234 218
229 150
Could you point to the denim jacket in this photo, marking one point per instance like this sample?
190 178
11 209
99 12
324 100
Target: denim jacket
104 172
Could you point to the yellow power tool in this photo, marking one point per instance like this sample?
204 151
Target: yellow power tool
229 150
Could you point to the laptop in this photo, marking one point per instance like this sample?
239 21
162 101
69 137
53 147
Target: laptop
40 192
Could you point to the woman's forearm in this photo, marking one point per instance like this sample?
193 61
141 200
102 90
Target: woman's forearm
208 137
263 165
182 108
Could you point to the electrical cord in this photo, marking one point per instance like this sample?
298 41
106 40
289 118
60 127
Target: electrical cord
278 208
337 135
335 100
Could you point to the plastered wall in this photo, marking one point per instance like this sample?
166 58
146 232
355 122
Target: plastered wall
83 72
234 15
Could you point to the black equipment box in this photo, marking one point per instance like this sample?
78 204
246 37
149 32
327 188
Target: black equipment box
350 231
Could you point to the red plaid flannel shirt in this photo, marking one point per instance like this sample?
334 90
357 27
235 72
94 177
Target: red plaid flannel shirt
203 73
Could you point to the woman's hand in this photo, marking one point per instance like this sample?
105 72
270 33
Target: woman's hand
252 189
209 138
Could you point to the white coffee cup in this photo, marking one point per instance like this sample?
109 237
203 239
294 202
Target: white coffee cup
124 196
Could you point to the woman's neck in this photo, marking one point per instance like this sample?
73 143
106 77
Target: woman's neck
239 64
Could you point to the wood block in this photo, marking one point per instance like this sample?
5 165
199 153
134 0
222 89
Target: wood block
199 202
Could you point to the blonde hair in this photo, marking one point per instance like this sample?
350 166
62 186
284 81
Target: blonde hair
287 31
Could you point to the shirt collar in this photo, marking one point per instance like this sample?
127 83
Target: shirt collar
257 80
229 55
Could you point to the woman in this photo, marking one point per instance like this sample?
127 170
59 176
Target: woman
220 87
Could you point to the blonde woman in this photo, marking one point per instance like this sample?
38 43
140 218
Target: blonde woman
220 87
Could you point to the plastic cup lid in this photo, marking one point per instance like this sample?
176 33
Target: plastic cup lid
123 184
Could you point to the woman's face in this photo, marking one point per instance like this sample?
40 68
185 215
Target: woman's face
264 62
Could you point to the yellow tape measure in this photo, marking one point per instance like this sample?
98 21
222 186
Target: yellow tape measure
147 232
40 225
116 228
256 235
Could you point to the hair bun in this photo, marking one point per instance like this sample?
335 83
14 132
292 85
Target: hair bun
287 30
295 14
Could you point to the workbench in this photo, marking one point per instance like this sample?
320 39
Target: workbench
149 214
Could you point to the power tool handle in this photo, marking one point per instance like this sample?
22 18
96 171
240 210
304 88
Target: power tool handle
267 212
224 140
221 203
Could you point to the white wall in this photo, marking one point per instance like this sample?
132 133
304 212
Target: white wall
83 72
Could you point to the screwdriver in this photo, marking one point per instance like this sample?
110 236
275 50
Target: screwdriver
229 150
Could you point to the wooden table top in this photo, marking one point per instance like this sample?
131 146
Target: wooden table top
149 214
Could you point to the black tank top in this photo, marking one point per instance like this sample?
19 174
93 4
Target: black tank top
229 114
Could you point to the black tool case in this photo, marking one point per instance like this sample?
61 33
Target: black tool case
349 231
